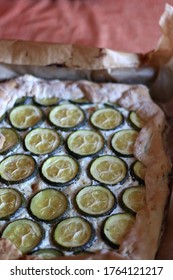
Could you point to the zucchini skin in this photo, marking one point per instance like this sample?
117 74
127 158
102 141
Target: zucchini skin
83 252
59 185
7 182
77 248
112 105
81 101
46 220
118 154
80 211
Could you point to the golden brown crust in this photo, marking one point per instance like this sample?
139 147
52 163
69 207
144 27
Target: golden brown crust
142 240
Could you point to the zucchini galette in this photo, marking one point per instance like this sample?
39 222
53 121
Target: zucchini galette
83 170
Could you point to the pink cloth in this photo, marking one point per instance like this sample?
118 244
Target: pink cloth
123 25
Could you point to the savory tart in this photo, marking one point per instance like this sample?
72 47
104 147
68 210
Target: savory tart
83 170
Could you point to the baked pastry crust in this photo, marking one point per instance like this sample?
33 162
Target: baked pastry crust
141 242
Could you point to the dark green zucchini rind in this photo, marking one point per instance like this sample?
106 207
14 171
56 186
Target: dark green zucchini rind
10 201
115 227
12 140
108 170
135 121
46 102
81 101
42 141
25 234
73 234
95 201
133 199
122 142
17 168
48 205
60 170
106 119
113 105
137 171
47 253
25 116
83 252
67 117
84 143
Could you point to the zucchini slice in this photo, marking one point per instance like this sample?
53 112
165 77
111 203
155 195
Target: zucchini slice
106 119
66 116
25 116
138 171
123 142
10 202
84 143
48 253
73 233
24 233
95 201
109 170
17 168
41 141
116 227
12 140
135 121
49 101
133 199
48 205
60 170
